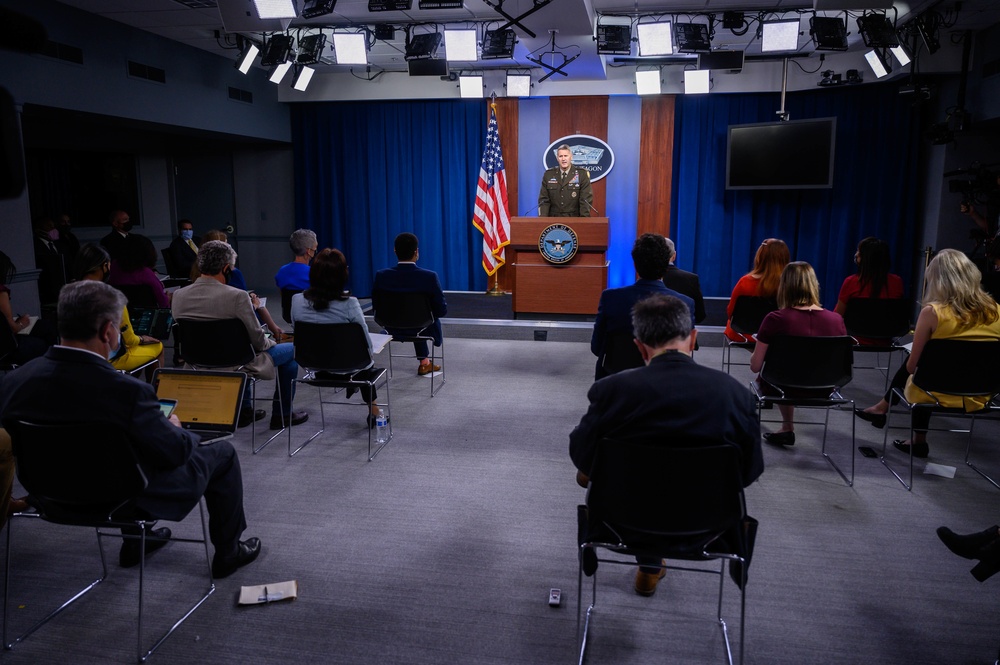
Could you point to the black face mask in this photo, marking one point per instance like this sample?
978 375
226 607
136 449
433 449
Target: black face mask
228 274
127 226
105 276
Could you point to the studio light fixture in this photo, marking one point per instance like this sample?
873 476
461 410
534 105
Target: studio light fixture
690 38
877 62
902 57
442 4
725 61
275 9
471 86
614 39
351 48
829 33
424 45
248 52
385 32
518 85
647 82
277 73
460 45
302 77
389 5
779 36
314 8
697 81
656 38
277 50
310 49
877 31
498 44
733 20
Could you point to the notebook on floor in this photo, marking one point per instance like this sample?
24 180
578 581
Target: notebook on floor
153 322
208 403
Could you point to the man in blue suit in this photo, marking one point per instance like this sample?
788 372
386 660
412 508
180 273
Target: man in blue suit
651 257
406 277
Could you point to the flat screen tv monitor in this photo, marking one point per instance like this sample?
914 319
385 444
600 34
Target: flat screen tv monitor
795 154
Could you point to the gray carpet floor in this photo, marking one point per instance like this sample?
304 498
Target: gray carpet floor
443 549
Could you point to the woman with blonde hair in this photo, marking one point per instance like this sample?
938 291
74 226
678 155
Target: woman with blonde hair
771 258
799 315
955 307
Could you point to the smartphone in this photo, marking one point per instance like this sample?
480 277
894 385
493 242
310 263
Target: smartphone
867 451
167 407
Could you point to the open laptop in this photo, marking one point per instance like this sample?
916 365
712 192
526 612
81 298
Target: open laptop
153 322
208 403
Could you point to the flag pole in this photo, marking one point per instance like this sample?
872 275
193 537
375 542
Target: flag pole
495 290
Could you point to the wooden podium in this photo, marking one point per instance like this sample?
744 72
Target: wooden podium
571 288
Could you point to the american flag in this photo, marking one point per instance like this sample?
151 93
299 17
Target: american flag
491 215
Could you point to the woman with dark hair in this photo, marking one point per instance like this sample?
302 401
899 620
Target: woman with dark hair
873 279
135 268
328 301
29 345
93 263
800 315
771 257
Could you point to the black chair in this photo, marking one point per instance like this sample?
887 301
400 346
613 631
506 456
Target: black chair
666 502
407 311
957 367
173 269
621 353
808 372
8 346
86 474
222 344
748 313
884 319
286 303
335 355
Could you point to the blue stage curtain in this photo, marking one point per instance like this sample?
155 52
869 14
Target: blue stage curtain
874 187
367 171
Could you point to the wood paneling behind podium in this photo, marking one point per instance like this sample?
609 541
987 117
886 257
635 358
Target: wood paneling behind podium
656 165
581 115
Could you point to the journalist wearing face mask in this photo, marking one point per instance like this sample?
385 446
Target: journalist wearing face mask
134 267
183 249
49 259
121 226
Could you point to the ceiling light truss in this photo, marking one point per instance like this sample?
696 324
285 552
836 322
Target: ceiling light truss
310 48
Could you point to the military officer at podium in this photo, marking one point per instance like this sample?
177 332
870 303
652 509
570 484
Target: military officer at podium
566 189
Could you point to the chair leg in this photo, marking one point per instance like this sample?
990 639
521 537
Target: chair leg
885 441
253 400
322 422
826 428
371 455
582 636
968 450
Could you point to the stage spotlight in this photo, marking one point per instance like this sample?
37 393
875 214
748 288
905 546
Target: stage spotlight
424 45
877 31
351 48
902 57
779 36
656 38
314 8
389 5
690 38
733 20
518 85
275 9
277 50
460 45
829 33
247 55
877 63
697 81
442 4
310 49
498 44
647 82
302 77
277 73
614 39
471 86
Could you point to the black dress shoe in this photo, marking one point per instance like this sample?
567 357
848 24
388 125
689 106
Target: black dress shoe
247 552
248 416
780 438
876 419
920 450
297 418
989 564
968 546
128 556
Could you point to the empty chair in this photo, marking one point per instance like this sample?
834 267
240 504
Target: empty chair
286 303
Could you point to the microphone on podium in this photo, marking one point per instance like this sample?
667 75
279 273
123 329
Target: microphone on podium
592 207
531 210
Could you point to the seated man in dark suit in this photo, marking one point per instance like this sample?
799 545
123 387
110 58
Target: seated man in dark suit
77 379
406 277
684 282
671 399
614 312
183 249
114 242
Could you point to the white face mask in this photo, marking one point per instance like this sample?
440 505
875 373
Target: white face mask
113 351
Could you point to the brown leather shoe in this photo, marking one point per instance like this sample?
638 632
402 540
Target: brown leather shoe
645 583
427 368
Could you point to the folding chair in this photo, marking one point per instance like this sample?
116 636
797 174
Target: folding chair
883 319
819 366
286 303
661 501
979 376
748 313
407 311
223 344
335 355
621 353
86 474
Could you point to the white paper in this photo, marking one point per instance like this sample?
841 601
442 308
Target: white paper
942 470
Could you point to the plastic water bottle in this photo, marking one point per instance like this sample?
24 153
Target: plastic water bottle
381 428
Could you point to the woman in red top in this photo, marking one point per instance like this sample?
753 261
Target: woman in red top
771 258
873 279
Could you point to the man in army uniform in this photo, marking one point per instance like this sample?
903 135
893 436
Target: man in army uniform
566 189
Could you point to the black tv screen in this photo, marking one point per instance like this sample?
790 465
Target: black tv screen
795 154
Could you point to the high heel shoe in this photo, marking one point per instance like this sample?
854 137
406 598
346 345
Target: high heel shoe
876 419
920 450
968 546
780 438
